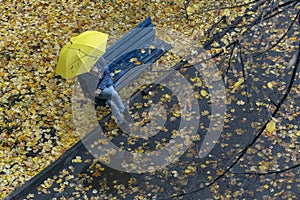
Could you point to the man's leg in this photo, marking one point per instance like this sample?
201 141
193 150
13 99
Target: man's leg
115 111
118 101
117 107
115 97
120 120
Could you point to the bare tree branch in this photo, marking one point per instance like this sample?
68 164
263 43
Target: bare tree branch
257 136
244 73
280 39
230 58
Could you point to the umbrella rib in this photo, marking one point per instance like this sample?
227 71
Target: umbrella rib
85 54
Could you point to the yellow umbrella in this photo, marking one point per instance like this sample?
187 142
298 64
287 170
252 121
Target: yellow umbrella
81 53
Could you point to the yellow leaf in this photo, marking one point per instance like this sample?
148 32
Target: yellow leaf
190 10
266 186
59 180
96 174
30 196
204 93
194 79
192 168
271 126
137 62
219 172
22 138
168 97
294 39
140 151
133 60
144 114
196 6
298 133
218 50
77 160
152 47
243 30
187 171
225 41
237 84
175 173
235 194
176 113
270 85
47 185
117 71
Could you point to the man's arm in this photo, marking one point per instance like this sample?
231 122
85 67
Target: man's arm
104 80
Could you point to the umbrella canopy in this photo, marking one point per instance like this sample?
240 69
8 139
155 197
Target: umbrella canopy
81 53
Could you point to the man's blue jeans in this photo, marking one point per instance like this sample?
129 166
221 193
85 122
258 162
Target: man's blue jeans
114 101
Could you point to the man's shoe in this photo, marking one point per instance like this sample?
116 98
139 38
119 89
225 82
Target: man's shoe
127 116
125 127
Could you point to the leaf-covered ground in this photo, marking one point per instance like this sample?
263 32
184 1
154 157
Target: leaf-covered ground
36 115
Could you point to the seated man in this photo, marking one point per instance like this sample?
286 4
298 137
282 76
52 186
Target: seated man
98 86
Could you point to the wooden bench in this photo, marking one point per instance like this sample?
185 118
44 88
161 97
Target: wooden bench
140 44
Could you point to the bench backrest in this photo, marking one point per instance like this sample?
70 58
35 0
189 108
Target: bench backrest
140 44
